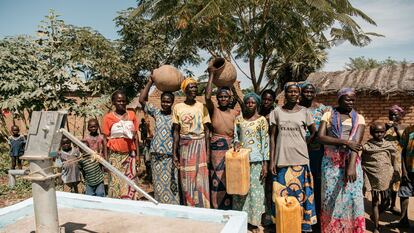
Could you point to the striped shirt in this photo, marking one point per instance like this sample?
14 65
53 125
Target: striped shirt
92 172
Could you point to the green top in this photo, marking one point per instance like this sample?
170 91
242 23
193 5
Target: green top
91 170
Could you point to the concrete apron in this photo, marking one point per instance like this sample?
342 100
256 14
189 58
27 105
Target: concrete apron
235 221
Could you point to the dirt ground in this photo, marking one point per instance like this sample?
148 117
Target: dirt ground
22 192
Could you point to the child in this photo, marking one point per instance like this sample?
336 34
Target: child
92 171
379 169
93 175
70 170
95 140
17 143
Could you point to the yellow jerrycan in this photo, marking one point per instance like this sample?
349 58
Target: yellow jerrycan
237 171
288 215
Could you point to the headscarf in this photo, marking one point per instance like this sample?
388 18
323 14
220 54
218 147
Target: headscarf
398 109
345 91
255 96
223 89
185 83
290 84
305 84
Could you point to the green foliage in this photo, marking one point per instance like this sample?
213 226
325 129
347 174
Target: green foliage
283 37
362 63
63 60
146 44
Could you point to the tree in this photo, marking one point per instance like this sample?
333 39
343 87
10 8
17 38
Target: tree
38 73
282 37
362 63
146 44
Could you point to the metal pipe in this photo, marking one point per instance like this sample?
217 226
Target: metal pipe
105 163
44 197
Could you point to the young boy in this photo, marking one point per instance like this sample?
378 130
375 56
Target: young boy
95 140
92 171
17 143
93 176
379 169
407 180
70 170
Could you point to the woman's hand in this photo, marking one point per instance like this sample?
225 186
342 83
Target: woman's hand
263 174
354 146
351 173
237 146
272 167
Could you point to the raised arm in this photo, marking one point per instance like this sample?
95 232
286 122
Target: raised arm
143 97
209 89
237 97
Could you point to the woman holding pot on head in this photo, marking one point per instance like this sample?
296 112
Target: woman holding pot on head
251 132
341 131
289 160
222 121
164 172
120 130
191 146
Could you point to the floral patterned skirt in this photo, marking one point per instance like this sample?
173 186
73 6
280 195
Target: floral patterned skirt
342 202
253 203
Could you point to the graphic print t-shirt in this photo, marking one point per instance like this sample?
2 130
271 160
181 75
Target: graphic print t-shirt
291 148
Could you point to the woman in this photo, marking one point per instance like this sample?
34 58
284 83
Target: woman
289 158
164 173
341 132
393 135
191 138
307 100
120 130
251 131
222 121
268 100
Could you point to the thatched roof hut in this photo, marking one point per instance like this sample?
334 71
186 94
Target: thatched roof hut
387 80
377 90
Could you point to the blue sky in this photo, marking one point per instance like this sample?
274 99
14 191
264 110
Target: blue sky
395 20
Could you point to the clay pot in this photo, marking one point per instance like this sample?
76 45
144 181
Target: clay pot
224 72
167 78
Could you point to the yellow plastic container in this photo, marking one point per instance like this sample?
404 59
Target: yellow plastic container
238 171
288 215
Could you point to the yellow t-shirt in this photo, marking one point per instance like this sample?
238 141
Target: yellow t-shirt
191 118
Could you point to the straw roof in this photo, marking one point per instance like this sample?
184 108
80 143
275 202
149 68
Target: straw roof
387 80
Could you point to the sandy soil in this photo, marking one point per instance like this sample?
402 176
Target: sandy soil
94 221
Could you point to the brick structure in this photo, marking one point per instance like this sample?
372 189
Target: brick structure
377 90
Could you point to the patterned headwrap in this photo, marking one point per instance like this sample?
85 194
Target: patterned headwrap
185 83
398 109
345 91
255 96
290 84
223 89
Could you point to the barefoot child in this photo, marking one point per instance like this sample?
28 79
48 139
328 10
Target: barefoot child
16 143
379 169
70 170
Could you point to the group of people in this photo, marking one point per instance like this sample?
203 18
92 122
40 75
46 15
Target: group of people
302 149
